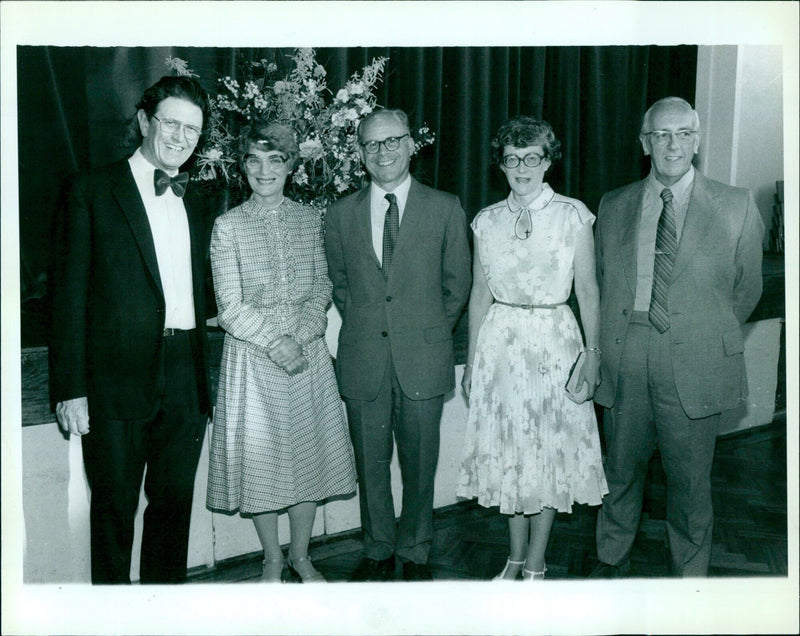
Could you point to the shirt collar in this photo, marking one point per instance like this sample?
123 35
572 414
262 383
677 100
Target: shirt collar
680 189
140 165
540 202
378 194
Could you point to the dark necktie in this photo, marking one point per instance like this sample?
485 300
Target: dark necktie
163 181
391 227
666 248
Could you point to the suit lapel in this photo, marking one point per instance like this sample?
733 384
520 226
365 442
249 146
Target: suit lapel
699 216
363 214
629 219
127 195
409 228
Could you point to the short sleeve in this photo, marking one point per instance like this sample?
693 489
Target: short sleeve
477 223
582 213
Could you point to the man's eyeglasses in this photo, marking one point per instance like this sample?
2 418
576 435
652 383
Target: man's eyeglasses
532 160
662 137
171 126
255 164
390 143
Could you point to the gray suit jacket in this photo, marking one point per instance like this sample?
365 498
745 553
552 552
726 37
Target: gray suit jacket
716 283
411 315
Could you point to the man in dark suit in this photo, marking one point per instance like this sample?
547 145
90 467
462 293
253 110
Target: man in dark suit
128 367
679 267
399 261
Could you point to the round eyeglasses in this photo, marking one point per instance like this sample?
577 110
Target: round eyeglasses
662 137
390 143
254 164
532 160
171 126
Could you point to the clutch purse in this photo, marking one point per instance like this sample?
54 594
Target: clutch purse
577 394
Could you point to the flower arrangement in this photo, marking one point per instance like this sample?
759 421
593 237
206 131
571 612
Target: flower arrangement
325 124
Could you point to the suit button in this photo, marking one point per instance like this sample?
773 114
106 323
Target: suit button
388 299
624 312
617 340
384 334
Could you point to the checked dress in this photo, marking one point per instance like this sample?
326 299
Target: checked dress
277 440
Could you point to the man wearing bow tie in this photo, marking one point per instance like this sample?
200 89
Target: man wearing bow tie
128 359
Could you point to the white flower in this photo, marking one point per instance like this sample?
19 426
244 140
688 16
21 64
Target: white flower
356 88
213 154
342 95
363 106
338 120
340 184
311 149
272 67
300 176
181 67
279 87
351 114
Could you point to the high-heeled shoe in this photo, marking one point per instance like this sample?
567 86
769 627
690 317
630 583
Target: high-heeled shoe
273 570
502 575
530 575
303 571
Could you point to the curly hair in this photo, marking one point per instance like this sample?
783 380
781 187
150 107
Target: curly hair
179 86
523 131
269 136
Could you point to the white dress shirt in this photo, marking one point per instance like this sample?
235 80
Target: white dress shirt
378 206
170 229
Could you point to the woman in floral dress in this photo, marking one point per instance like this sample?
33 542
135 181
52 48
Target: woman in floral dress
279 439
529 448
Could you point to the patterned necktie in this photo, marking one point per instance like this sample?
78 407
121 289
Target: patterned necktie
666 248
163 181
391 227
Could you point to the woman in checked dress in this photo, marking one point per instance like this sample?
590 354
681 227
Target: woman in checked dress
279 439
530 449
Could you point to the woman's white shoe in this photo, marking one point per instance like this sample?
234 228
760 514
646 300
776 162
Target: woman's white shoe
509 563
530 575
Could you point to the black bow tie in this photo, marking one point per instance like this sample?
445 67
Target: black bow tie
177 183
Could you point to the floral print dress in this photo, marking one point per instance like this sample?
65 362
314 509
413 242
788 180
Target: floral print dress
527 445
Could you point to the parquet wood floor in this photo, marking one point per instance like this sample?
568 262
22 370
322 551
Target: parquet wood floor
470 542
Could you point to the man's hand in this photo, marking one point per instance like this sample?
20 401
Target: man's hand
73 416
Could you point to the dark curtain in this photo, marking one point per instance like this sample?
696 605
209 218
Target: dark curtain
75 108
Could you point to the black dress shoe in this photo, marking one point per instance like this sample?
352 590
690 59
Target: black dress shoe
416 572
608 571
374 570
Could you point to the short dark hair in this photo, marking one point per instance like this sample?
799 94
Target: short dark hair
523 131
180 86
398 114
268 136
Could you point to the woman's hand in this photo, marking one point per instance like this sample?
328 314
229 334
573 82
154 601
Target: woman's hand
298 365
283 350
466 381
287 353
590 372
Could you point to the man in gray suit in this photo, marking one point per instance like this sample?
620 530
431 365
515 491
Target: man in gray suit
679 267
399 261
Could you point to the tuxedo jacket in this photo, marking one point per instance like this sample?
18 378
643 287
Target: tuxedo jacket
108 307
411 315
715 284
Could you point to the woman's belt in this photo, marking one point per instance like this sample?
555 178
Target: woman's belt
518 306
